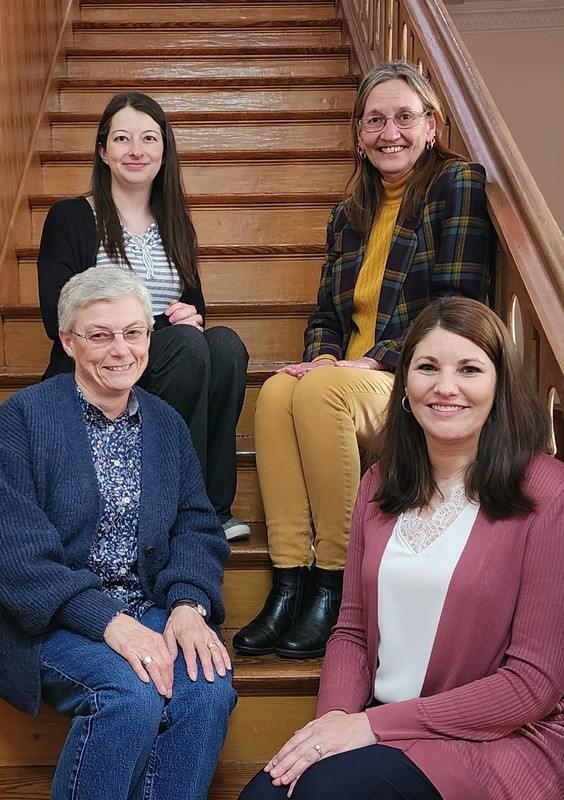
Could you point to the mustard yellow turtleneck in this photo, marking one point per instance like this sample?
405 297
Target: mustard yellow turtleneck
369 281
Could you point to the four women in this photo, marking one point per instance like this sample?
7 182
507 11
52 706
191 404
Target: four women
136 218
459 488
413 227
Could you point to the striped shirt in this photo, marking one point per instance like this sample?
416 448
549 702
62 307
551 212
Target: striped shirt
147 256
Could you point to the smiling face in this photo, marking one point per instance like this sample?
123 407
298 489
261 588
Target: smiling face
134 148
106 374
393 151
450 385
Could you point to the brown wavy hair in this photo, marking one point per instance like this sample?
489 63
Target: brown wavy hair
517 429
167 194
364 190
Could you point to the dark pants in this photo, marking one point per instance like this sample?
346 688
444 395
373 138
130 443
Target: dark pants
369 773
203 377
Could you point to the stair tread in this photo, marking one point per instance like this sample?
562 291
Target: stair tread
31 253
257 373
226 117
86 3
283 81
252 25
213 52
24 310
219 200
184 156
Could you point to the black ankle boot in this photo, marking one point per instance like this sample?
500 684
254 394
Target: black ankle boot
308 635
281 608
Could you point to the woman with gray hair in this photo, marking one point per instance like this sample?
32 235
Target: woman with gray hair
111 563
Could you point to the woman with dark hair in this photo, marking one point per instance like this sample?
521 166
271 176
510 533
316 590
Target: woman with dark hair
135 217
414 226
444 677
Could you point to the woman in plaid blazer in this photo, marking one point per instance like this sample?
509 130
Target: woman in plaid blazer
414 227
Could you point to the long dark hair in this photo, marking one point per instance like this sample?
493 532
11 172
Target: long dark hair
167 194
518 427
364 190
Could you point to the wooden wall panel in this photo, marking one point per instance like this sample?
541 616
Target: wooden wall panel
29 31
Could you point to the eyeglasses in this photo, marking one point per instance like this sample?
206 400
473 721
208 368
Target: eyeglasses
403 119
104 338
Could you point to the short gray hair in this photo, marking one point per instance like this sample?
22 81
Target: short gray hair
100 283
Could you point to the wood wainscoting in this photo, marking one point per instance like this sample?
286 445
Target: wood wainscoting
30 36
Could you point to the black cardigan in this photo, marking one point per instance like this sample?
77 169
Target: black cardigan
68 246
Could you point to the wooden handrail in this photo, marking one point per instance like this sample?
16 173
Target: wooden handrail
520 212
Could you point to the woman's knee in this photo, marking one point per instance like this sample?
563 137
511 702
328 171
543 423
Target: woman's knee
227 350
276 394
181 346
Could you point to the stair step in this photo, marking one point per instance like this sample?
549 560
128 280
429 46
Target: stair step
214 94
235 172
227 33
240 220
268 274
200 131
207 11
203 63
34 783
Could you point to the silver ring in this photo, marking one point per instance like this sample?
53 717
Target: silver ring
146 660
318 750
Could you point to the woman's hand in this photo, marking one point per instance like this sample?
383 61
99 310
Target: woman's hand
134 641
360 363
185 627
184 314
299 370
334 732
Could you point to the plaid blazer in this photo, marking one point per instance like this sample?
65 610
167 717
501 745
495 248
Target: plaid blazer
446 249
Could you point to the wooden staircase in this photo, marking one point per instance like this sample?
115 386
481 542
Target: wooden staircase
259 95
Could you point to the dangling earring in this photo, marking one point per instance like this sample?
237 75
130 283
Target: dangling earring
430 143
405 408
361 152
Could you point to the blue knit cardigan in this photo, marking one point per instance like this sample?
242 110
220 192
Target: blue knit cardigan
49 513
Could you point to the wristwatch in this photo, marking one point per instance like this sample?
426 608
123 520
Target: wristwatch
193 604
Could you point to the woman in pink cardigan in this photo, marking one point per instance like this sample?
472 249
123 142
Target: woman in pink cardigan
444 676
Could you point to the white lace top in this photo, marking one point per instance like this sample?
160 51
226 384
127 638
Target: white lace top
414 577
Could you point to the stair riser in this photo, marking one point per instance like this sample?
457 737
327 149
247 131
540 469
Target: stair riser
222 177
245 225
228 99
257 728
214 12
204 67
204 136
266 338
264 278
123 39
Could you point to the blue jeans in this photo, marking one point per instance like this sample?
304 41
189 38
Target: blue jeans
127 742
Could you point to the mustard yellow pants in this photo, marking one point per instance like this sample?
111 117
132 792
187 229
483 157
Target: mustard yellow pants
308 433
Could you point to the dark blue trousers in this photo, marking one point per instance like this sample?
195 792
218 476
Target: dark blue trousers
376 772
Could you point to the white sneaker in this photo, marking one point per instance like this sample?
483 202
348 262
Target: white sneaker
235 529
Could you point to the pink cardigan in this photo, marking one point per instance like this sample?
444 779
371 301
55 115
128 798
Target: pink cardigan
489 724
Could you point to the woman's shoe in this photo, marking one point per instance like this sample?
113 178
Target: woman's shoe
281 608
308 636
